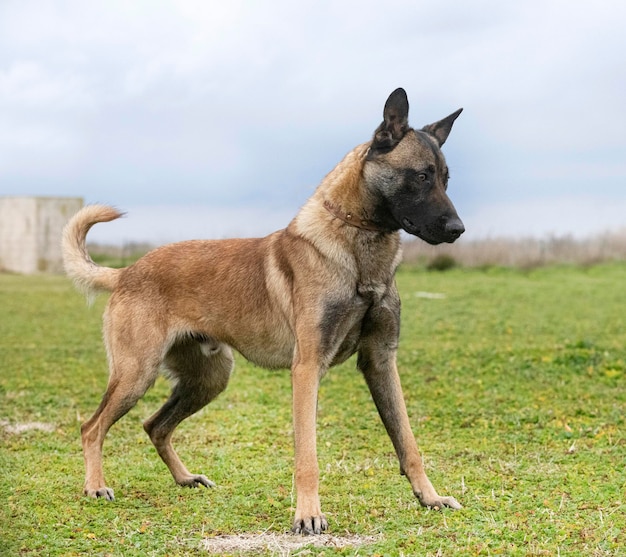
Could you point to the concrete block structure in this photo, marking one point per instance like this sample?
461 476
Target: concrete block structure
30 232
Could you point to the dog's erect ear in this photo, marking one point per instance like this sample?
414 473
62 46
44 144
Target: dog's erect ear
395 122
441 130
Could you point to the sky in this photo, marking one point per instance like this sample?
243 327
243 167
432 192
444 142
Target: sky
206 119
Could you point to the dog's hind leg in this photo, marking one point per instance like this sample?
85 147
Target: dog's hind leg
121 395
200 370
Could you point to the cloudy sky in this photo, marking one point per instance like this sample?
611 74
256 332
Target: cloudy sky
210 119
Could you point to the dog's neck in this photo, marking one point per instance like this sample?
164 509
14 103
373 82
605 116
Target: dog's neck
341 192
351 218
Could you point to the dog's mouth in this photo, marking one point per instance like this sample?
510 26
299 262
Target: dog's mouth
445 230
411 228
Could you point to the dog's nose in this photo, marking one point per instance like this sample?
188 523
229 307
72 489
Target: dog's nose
454 227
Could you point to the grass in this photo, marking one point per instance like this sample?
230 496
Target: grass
515 386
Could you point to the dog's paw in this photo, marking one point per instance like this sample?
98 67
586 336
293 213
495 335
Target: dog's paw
195 481
103 492
312 525
437 503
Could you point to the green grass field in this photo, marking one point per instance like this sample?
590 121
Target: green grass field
515 384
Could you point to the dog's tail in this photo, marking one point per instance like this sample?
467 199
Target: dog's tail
88 277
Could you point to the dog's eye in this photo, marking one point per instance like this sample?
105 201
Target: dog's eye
422 177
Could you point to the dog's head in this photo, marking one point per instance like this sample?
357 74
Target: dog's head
407 175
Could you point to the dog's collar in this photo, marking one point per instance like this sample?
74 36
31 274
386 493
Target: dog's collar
351 218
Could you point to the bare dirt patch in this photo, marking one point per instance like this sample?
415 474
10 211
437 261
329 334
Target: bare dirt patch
18 428
281 544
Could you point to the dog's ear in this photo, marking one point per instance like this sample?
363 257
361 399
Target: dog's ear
395 122
441 130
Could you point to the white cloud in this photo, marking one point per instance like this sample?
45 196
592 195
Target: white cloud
199 101
28 85
567 215
162 224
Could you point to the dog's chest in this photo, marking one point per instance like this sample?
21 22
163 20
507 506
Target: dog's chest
342 322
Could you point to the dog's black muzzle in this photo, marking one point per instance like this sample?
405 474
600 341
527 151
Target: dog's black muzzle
445 229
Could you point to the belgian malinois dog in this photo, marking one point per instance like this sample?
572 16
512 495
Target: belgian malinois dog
305 298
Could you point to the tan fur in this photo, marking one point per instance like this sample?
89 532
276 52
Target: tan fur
87 276
306 298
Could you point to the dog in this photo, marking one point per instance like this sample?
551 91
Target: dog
306 298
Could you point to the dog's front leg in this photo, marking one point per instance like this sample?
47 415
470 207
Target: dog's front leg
377 361
305 383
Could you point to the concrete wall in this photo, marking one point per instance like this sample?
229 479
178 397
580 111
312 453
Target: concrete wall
30 232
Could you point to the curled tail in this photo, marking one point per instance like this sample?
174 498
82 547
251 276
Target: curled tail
88 277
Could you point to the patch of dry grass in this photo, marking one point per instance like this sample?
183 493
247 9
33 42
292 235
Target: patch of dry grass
281 544
18 428
524 253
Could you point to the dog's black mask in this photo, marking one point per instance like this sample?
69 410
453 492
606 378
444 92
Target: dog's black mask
408 175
